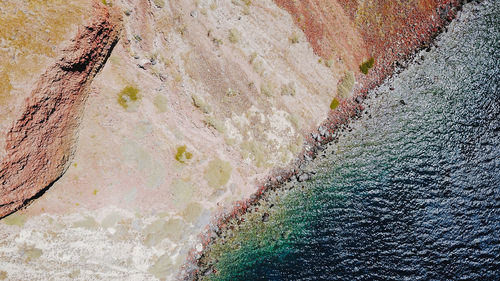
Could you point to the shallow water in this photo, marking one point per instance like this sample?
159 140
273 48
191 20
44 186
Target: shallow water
411 193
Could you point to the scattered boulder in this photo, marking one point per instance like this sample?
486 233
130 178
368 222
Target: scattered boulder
303 177
265 217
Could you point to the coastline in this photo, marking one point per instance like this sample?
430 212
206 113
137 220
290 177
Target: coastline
131 179
338 121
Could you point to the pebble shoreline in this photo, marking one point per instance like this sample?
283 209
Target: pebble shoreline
336 123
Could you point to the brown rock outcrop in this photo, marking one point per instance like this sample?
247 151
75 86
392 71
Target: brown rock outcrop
41 142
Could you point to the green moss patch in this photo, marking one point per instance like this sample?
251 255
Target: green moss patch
127 96
335 103
367 65
182 154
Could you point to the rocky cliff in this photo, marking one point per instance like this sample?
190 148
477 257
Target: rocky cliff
40 144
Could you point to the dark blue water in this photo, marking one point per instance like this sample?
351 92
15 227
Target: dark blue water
412 193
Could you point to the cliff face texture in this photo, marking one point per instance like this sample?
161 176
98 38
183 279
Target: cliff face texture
41 142
198 102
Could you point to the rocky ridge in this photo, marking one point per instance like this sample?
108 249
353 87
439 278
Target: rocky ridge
41 143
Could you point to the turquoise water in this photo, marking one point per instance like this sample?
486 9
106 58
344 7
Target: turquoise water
412 192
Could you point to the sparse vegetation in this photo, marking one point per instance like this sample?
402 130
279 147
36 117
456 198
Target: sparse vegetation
267 88
367 65
234 35
288 89
253 56
258 67
232 92
344 88
182 154
107 3
335 103
246 10
294 120
200 104
192 212
217 41
153 57
15 219
213 6
178 78
127 96
182 29
167 61
257 152
242 2
329 63
294 38
159 3
215 123
160 102
217 173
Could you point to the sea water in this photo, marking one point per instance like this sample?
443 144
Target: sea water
410 192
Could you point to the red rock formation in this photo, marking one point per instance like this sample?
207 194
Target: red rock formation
390 30
41 142
328 29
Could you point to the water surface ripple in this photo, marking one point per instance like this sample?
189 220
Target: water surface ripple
411 193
